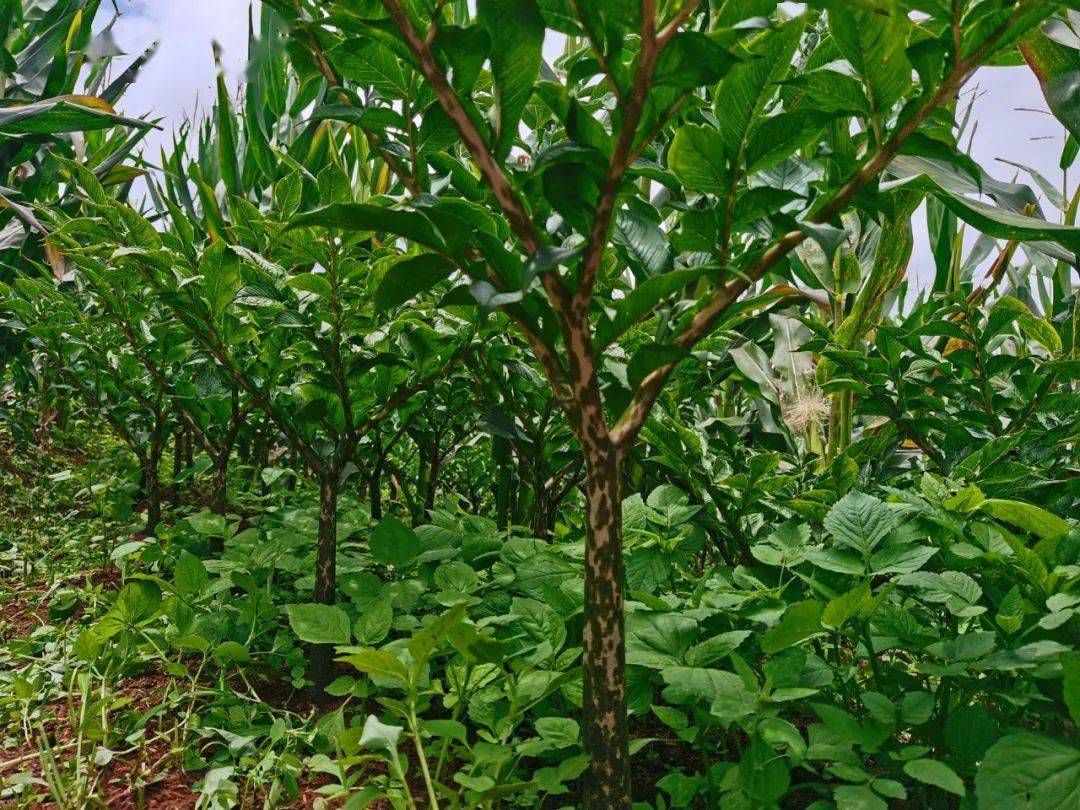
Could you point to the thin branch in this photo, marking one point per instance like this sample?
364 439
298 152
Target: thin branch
315 49
707 317
508 200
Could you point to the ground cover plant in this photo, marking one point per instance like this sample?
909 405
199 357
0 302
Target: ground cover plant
533 404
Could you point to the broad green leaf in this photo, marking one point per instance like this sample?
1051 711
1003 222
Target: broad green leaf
371 64
394 543
1029 772
747 90
62 114
859 521
138 602
374 623
220 269
658 640
409 277
874 42
319 624
1027 516
800 622
840 610
314 283
376 662
410 225
1057 68
938 774
696 157
189 576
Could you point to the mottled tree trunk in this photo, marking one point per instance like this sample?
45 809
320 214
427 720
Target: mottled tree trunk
322 655
607 783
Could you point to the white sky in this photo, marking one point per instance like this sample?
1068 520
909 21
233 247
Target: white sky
182 73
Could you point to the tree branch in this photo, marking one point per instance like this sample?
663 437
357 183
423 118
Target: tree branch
649 389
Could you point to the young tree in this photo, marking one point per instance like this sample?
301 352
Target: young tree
730 110
97 363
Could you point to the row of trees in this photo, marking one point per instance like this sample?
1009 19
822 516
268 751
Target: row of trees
418 240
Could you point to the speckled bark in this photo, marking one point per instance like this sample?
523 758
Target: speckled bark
607 784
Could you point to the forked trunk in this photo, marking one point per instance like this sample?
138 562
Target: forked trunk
322 655
607 783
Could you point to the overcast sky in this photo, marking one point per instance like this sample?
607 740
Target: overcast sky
182 74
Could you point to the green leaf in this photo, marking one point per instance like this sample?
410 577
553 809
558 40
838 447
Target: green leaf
372 65
715 647
1030 518
763 774
394 543
953 189
1070 670
800 622
642 300
410 225
409 277
1029 772
425 641
938 774
749 87
220 269
859 521
658 640
456 576
696 156
715 687
516 30
841 609
138 602
645 243
374 623
319 624
189 576
562 731
376 662
379 736
873 41
53 116
1057 68
314 283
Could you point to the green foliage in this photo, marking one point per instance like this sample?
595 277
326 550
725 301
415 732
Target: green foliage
485 375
